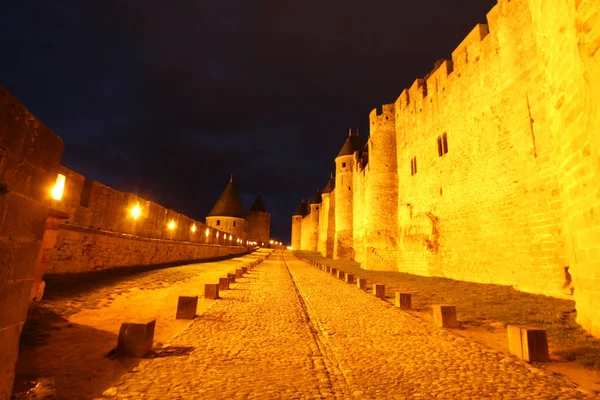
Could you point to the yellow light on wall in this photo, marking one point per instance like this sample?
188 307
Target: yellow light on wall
207 232
217 235
193 228
230 237
136 211
59 187
271 242
172 225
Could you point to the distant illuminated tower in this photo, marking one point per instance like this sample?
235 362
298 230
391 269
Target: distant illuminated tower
313 236
259 222
344 170
300 213
227 214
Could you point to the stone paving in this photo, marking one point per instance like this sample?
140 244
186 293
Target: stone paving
289 330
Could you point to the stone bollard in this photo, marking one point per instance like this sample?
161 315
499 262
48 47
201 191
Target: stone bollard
186 307
327 269
231 278
239 273
334 271
528 343
245 270
349 278
444 315
404 300
211 291
361 283
341 275
223 284
136 338
379 290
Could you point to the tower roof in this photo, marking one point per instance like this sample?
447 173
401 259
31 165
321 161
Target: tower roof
303 209
229 204
259 204
318 197
353 143
330 185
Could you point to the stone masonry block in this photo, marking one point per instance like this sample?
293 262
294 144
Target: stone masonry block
361 283
186 307
231 277
223 284
14 296
528 343
404 300
349 278
444 315
135 338
379 290
211 291
341 275
9 351
239 273
244 270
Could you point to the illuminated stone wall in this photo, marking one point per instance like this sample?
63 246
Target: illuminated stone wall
326 226
306 226
29 161
515 200
313 236
297 232
568 40
101 232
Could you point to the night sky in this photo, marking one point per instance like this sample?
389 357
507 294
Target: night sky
167 98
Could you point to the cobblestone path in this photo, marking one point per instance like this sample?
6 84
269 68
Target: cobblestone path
291 331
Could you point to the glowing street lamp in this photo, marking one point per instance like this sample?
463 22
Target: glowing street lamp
59 187
136 211
271 242
217 235
207 232
193 228
172 224
230 237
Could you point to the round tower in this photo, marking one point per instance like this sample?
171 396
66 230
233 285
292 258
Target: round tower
259 222
344 171
314 222
381 192
227 215
327 220
297 225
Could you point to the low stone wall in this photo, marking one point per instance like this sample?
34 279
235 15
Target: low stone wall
80 249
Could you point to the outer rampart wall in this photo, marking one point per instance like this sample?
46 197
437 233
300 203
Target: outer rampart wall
490 209
101 232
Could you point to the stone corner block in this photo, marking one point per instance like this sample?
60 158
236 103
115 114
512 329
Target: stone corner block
136 338
211 291
528 343
186 307
444 315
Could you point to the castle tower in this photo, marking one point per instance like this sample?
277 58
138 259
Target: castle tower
344 170
300 213
313 241
259 222
327 220
381 192
227 215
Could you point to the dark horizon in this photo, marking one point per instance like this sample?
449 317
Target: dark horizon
168 102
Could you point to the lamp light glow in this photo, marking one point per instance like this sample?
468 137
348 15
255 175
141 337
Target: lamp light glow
172 224
59 187
193 228
136 211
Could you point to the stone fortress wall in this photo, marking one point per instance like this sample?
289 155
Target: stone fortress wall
101 233
512 195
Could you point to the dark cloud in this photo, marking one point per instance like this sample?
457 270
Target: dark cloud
168 99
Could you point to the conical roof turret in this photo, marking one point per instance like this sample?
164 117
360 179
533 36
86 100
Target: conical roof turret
353 143
259 204
229 204
330 185
303 209
318 197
